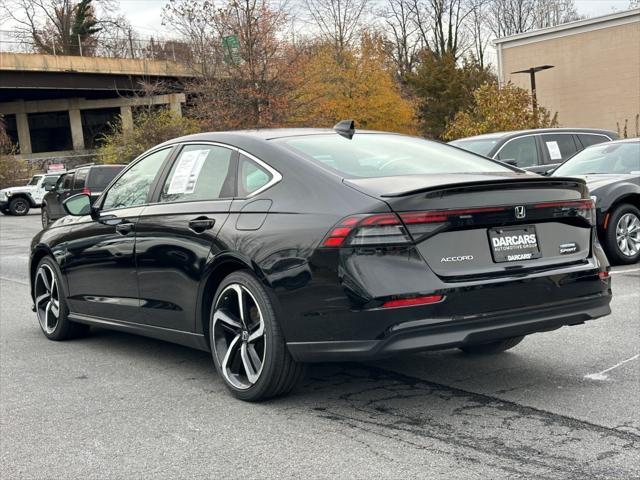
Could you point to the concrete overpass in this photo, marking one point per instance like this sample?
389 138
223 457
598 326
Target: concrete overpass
58 106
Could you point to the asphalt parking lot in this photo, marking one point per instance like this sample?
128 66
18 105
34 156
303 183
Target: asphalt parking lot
562 404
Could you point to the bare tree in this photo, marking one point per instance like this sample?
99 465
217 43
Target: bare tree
403 37
509 17
339 21
479 32
64 27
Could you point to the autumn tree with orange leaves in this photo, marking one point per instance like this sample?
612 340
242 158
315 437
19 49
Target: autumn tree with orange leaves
357 84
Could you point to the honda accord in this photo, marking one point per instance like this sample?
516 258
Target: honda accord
273 248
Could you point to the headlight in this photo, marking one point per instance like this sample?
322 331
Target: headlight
3 195
595 199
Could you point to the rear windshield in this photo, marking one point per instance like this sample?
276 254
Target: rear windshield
383 155
100 177
613 158
481 147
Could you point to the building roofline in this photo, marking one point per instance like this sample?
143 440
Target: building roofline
579 25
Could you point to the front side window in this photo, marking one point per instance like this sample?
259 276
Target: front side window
132 188
34 180
80 179
201 172
523 151
66 182
559 147
382 155
251 177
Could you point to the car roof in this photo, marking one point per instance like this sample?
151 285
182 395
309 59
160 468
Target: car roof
615 142
517 133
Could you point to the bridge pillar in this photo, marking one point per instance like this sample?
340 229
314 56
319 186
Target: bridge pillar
175 105
24 136
126 117
77 136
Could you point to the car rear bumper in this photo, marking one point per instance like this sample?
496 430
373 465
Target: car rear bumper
441 333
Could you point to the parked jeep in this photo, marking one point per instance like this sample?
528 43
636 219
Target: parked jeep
19 200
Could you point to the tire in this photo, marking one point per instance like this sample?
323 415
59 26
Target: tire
49 297
44 217
249 350
19 206
623 231
493 347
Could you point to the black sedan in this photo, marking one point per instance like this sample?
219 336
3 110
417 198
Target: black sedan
612 173
277 247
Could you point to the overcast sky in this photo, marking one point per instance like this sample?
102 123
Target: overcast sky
144 15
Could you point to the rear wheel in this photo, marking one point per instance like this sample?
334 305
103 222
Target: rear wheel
19 206
247 345
493 347
622 238
51 304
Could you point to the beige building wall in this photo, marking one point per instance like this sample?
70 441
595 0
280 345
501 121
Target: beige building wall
595 81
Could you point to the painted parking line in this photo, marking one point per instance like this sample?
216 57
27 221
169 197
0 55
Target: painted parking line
603 374
613 272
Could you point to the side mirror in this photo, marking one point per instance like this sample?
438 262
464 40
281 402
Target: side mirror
50 187
550 171
78 205
510 161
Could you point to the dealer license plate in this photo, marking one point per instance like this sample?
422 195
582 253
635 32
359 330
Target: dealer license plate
514 244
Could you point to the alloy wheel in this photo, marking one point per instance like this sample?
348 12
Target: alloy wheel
238 336
20 207
47 299
628 234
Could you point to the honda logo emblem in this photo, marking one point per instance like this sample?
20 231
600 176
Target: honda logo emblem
520 212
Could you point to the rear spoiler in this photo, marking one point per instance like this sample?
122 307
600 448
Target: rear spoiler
557 181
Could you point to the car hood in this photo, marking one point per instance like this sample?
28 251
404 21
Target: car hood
24 189
597 181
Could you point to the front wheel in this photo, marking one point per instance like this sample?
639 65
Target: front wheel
44 217
493 347
51 304
19 206
247 345
622 238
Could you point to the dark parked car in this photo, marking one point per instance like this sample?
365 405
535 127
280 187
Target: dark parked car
612 173
537 150
89 179
273 248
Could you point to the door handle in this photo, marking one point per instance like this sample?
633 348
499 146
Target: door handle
124 228
200 224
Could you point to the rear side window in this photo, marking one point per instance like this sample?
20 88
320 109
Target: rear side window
587 139
523 151
382 155
251 177
80 179
100 177
558 147
201 172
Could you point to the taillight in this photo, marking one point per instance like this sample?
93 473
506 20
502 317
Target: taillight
395 229
363 230
413 301
86 191
582 208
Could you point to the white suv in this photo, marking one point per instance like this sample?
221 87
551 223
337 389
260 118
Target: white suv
18 200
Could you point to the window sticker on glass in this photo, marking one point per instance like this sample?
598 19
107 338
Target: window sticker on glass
554 151
187 172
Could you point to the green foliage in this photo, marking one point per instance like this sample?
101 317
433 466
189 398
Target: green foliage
498 109
443 87
150 127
